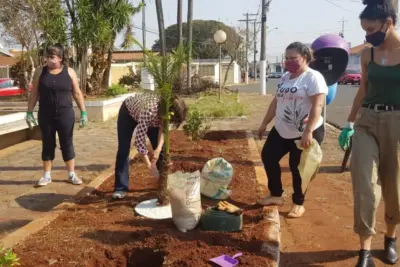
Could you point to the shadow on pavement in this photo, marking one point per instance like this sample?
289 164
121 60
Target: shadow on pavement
314 258
12 225
91 167
43 202
28 182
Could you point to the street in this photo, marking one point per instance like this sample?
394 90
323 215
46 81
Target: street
337 110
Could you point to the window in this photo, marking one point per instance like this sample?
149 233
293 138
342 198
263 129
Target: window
6 84
352 71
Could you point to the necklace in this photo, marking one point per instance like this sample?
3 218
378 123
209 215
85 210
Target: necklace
384 58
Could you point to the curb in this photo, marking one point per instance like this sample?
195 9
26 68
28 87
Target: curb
37 224
270 224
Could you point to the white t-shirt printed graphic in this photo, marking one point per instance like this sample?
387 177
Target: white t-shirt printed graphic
294 103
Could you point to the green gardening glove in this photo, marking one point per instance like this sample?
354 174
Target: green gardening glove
30 120
345 136
84 119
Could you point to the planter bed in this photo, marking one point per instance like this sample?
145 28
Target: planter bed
98 231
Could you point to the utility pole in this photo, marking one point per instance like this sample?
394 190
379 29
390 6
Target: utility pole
246 64
190 39
343 22
255 50
396 7
263 62
144 30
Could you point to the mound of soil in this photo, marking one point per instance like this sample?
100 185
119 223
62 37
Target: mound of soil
101 232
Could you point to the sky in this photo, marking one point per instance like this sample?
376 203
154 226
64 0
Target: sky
296 20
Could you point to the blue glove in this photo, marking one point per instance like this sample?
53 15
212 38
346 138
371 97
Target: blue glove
345 136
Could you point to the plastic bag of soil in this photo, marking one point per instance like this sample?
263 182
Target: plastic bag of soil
184 193
309 163
216 177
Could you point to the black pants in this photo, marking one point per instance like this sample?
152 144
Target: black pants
61 121
274 149
125 126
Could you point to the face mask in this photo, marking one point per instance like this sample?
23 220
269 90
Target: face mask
292 66
53 63
376 38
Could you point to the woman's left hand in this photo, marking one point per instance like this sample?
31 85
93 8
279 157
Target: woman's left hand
84 119
306 140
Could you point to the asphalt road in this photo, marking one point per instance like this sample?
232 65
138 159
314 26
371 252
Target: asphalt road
337 111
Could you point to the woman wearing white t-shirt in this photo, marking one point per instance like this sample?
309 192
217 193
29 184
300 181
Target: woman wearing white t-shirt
296 108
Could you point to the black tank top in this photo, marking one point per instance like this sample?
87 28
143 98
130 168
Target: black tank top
55 90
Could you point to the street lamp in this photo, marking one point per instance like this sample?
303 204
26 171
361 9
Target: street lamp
220 38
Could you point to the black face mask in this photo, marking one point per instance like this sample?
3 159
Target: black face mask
376 38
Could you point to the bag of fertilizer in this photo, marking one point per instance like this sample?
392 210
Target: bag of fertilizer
216 177
310 161
185 198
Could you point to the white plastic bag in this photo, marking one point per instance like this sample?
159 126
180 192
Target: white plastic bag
184 193
310 161
216 177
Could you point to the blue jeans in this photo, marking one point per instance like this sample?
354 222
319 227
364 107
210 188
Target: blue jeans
125 127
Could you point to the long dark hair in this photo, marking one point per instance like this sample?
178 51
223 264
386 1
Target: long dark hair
379 10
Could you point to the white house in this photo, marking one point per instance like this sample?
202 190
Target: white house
209 68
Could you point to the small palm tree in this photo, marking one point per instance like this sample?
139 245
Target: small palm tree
165 70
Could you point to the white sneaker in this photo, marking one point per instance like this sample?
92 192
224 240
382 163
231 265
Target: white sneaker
118 195
43 181
270 200
297 211
75 180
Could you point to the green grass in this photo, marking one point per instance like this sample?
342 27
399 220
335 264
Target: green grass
229 106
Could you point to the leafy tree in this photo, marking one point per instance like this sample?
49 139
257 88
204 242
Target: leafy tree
204 46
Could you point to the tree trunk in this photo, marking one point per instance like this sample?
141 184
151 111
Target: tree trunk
107 71
190 39
227 71
163 198
161 28
83 69
179 23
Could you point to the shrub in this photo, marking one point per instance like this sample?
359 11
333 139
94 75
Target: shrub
196 125
8 258
115 90
130 79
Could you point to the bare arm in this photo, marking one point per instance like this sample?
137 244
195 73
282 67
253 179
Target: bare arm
317 103
160 139
270 114
77 93
362 91
34 96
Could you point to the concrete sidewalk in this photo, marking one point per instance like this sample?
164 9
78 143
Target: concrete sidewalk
21 167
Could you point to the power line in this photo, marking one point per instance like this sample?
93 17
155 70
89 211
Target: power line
339 6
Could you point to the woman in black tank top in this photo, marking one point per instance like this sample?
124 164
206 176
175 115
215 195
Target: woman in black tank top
54 85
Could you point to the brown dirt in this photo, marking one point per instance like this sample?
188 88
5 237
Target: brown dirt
101 232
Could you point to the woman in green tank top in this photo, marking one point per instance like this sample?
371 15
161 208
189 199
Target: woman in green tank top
375 161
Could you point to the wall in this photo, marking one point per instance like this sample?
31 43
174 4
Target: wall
102 110
354 61
120 69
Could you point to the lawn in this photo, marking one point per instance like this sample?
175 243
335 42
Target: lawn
211 107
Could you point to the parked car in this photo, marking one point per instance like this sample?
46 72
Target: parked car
350 76
275 75
8 88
